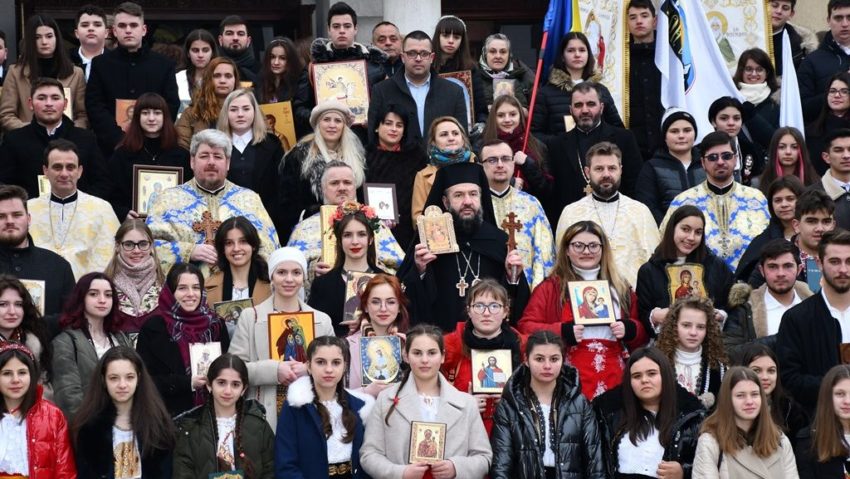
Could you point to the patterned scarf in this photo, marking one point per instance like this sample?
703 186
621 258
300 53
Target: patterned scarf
185 327
440 158
135 280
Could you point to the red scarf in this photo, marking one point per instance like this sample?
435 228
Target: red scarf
185 327
515 140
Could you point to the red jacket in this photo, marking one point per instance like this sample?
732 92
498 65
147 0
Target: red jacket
457 367
49 453
545 311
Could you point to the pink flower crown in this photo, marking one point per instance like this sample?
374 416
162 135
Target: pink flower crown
353 207
15 346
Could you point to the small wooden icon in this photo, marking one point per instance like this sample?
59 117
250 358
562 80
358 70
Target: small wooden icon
149 181
685 280
35 287
230 311
427 442
326 213
490 370
591 302
437 231
289 335
201 355
380 359
124 112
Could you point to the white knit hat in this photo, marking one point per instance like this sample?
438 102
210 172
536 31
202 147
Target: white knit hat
287 253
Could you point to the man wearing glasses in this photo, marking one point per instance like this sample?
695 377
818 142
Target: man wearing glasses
72 224
534 234
416 89
734 213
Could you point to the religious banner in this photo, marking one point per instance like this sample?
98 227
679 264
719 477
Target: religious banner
346 82
738 25
604 23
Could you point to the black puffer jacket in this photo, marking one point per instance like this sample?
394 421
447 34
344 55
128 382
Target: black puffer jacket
681 447
517 446
195 453
662 178
553 103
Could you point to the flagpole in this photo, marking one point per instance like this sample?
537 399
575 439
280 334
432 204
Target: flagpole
534 90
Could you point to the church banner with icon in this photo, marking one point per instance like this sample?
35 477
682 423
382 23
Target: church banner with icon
604 24
739 25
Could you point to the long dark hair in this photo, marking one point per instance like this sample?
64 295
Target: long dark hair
339 228
787 182
405 141
491 127
196 35
74 312
29 52
462 59
428 330
230 361
151 422
174 273
588 70
259 267
666 249
825 112
288 81
804 170
778 399
349 418
827 432
32 323
134 140
637 421
23 355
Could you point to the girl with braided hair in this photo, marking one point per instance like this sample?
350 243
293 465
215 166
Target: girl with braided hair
425 395
301 448
228 433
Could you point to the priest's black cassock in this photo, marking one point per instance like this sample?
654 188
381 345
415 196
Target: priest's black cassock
435 297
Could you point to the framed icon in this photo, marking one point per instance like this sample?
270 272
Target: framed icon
124 113
685 280
354 285
280 122
149 181
427 442
43 186
201 355
380 359
69 105
437 231
289 335
490 370
326 213
504 86
382 198
591 302
36 289
346 82
230 311
463 79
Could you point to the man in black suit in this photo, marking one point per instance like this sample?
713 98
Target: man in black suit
91 31
417 88
568 150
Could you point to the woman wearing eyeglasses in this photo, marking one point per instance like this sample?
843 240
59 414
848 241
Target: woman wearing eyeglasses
597 351
137 275
756 80
487 328
682 259
833 116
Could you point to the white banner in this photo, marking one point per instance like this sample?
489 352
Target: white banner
602 23
738 25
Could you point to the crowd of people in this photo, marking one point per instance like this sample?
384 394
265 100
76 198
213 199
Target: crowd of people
596 300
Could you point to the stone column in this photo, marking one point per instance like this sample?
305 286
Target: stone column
413 15
7 24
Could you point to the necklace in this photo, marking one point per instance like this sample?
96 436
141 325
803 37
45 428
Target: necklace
588 190
608 232
153 157
462 285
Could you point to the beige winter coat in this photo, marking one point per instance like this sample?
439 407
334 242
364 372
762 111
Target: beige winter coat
744 464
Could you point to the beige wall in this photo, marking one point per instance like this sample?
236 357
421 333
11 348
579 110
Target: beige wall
811 14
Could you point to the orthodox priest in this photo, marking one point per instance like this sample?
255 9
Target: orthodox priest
734 213
628 224
437 284
519 211
184 218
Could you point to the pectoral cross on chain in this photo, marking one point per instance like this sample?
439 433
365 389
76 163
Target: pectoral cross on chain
207 226
588 190
461 287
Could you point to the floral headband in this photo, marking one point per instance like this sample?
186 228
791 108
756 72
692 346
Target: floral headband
353 207
15 346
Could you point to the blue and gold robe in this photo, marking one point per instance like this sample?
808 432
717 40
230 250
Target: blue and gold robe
176 210
534 241
732 219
